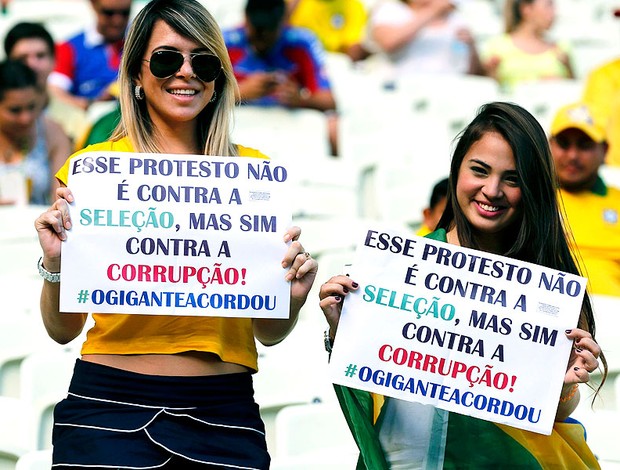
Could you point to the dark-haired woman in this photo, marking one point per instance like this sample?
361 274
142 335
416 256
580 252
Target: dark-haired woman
32 147
501 199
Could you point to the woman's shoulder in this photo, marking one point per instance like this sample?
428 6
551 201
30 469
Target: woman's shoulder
611 68
439 234
55 134
51 125
500 42
389 11
250 152
563 45
57 142
121 145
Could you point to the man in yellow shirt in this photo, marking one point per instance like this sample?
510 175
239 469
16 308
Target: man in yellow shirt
339 24
602 91
578 144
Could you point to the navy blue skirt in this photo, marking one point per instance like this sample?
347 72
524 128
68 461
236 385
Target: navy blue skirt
112 418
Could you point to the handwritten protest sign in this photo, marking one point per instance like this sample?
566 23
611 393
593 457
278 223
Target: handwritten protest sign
176 235
464 330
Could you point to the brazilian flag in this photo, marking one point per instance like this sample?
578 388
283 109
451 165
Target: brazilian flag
469 443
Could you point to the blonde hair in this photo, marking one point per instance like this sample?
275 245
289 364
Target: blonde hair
190 19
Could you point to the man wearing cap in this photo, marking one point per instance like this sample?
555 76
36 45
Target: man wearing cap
578 145
278 65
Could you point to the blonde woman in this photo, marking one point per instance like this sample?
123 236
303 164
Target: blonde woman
165 391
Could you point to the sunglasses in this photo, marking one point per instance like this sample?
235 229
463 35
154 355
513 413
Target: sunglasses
164 64
109 12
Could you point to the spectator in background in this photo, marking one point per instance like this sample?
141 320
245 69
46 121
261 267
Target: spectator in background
523 53
32 147
602 91
340 25
100 130
33 45
433 212
424 36
578 146
278 65
87 64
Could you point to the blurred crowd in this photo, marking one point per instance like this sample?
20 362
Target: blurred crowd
58 94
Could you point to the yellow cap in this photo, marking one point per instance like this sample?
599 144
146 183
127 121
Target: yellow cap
578 116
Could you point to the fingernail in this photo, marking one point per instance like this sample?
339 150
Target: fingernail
568 331
345 289
338 298
355 284
575 368
578 349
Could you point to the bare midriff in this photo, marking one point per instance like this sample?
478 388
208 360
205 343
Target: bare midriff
182 364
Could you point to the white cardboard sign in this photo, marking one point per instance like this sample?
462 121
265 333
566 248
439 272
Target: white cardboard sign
464 330
176 235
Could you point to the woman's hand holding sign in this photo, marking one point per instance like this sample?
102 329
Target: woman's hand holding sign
584 357
332 294
583 361
301 272
51 228
301 266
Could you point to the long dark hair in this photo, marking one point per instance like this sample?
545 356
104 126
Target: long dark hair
539 236
15 75
512 14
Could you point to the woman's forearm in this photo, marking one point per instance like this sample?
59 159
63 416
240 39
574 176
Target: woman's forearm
61 327
569 399
272 331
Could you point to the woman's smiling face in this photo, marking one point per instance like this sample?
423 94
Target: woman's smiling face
488 188
182 96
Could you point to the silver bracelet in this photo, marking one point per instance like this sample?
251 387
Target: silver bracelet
45 274
328 342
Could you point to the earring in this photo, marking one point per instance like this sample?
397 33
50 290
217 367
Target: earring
214 97
138 92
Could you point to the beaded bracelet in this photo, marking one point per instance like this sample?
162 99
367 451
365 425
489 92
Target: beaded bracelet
328 341
570 394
